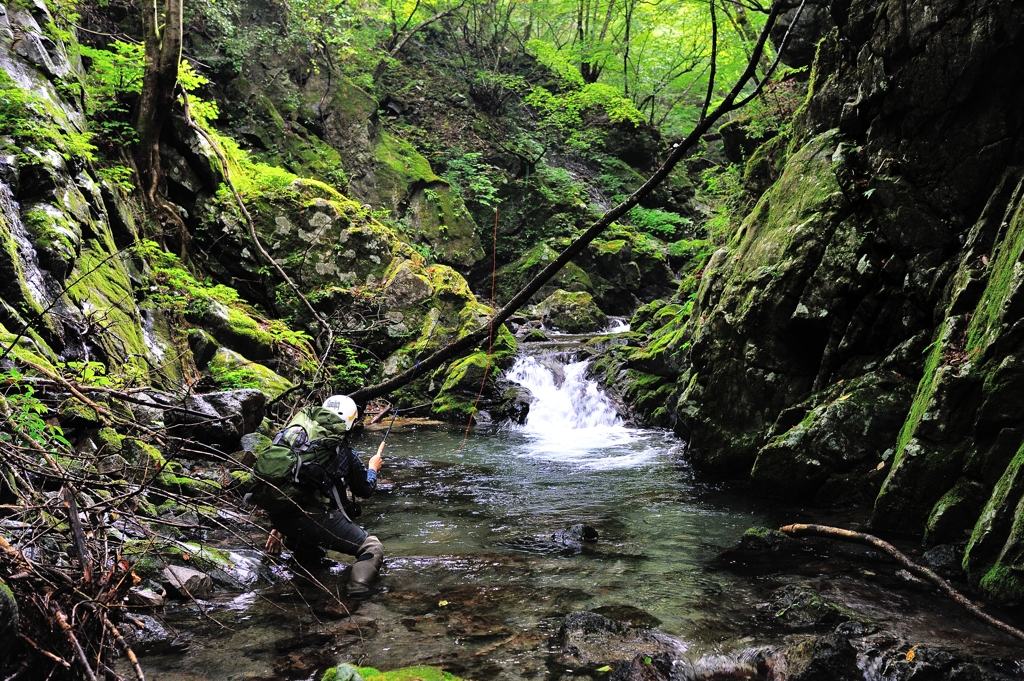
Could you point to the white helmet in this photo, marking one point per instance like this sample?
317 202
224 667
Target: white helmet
343 406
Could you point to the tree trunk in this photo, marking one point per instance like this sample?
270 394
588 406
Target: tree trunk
162 32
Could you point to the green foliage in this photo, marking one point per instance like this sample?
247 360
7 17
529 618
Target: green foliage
560 61
23 414
118 176
252 179
660 223
35 124
472 179
723 190
346 370
563 114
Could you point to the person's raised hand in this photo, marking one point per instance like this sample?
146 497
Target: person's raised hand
375 462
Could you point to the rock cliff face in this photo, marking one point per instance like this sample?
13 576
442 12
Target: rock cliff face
861 336
86 286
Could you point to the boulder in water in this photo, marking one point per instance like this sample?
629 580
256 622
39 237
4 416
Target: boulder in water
588 639
576 535
188 583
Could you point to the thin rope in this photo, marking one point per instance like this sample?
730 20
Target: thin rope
490 336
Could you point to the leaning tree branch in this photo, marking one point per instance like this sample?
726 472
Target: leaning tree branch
679 150
902 559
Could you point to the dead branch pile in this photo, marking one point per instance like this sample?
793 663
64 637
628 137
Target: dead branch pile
92 502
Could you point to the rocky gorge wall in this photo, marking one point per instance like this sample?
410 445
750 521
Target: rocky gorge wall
88 286
860 336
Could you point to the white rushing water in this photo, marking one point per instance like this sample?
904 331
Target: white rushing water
572 420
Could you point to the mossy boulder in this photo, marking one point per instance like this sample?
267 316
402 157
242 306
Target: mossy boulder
428 210
514 276
846 429
219 418
437 218
464 380
319 237
572 312
231 371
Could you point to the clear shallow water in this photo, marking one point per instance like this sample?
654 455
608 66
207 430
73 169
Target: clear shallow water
477 578
486 513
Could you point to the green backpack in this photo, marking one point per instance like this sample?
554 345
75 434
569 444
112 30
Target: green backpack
303 457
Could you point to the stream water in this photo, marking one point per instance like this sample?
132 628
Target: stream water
479 570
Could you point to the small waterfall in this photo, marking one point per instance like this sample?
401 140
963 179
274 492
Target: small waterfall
572 421
565 397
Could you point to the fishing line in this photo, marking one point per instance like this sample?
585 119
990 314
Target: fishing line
415 369
490 336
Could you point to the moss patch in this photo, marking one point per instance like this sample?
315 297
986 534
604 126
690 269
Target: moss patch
231 371
421 673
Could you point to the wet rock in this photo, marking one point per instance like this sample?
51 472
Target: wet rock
576 535
628 615
588 639
8 612
152 637
146 598
185 582
644 668
515 404
219 418
946 560
572 312
823 658
766 539
764 548
799 607
535 336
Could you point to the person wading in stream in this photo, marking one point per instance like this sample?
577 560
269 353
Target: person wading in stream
310 509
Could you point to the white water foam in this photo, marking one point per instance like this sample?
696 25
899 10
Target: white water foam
572 420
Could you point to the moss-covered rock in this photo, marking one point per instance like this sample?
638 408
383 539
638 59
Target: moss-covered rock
231 371
464 381
573 312
511 278
847 429
758 347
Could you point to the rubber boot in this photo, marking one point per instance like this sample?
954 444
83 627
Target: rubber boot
369 558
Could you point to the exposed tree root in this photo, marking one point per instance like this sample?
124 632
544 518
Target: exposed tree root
905 561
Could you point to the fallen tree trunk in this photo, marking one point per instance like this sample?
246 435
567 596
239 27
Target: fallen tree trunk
905 561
